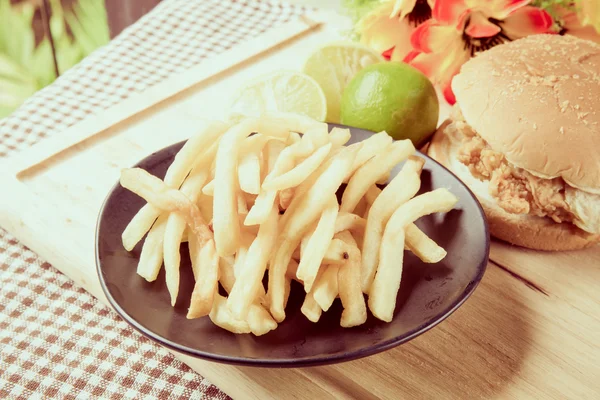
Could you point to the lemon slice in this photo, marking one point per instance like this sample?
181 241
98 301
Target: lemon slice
333 66
286 91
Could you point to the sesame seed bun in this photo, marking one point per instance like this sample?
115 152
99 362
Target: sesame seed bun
537 100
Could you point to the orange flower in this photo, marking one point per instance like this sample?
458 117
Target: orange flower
461 28
388 28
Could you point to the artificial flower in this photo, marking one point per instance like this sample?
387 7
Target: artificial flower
388 27
461 28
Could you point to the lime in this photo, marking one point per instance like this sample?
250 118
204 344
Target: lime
334 65
392 97
286 91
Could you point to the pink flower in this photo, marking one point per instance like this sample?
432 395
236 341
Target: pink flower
461 28
388 28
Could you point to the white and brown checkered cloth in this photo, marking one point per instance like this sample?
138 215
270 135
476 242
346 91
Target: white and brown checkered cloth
56 340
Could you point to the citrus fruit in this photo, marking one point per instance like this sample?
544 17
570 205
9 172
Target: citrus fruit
392 97
333 66
286 91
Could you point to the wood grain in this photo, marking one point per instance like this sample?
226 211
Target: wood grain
529 330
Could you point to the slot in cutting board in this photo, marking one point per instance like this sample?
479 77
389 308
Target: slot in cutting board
529 331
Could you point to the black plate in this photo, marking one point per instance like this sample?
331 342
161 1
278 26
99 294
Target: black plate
428 294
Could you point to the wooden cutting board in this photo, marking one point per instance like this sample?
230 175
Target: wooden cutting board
529 331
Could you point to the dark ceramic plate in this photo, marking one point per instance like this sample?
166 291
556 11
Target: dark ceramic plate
428 294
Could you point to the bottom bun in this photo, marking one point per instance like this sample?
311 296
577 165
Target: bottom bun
533 232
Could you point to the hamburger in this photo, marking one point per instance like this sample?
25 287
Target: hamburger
524 135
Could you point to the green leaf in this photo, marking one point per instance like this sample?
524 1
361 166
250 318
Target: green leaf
42 64
13 71
18 37
89 25
57 22
14 93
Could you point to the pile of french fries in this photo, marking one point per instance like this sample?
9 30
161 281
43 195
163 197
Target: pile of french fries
260 197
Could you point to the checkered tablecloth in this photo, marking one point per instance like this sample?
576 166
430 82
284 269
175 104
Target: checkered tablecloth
56 340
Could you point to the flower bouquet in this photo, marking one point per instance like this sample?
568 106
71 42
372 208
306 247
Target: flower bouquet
439 36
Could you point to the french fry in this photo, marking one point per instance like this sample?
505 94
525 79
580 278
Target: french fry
325 288
157 193
384 179
256 143
278 122
349 222
151 257
153 190
259 320
403 187
310 308
226 224
249 280
372 171
209 188
371 147
308 204
300 172
205 204
194 249
249 173
220 316
287 159
272 151
372 193
349 286
318 135
339 137
259 212
303 210
285 198
382 295
287 290
175 229
293 138
261 208
193 153
173 236
139 225
239 258
242 207
317 245
292 269
205 288
422 246
337 252
226 272
361 208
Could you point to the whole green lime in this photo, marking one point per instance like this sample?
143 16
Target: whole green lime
392 97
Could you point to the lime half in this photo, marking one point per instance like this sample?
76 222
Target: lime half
286 91
334 65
